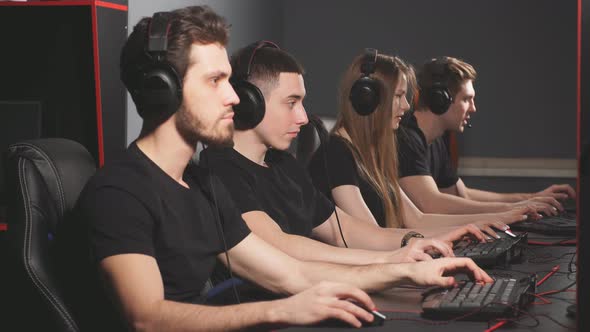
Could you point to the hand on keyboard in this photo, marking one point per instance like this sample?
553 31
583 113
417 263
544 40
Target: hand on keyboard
460 233
558 191
547 205
418 249
517 214
490 227
498 252
439 272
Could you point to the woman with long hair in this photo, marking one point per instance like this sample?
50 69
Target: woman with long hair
361 156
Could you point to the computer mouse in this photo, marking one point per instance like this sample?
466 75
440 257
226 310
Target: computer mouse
378 320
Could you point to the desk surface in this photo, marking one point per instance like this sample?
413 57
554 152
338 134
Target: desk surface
402 305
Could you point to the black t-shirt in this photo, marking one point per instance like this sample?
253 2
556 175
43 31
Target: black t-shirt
416 157
282 190
342 170
133 206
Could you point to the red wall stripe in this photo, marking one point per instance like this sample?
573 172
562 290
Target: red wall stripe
111 5
97 88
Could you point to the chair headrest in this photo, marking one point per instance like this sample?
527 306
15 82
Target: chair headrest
310 138
64 165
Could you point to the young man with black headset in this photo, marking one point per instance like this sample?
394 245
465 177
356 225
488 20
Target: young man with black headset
154 230
446 101
274 193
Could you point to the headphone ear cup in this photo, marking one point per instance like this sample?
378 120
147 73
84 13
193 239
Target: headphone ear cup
250 111
439 99
159 92
364 95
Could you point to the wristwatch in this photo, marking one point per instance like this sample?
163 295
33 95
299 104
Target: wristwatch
410 235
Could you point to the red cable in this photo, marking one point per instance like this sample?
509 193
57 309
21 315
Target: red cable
555 291
497 326
544 300
552 272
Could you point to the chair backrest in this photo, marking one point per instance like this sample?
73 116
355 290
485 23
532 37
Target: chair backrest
309 139
44 179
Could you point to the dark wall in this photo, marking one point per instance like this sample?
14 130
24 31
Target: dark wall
524 52
506 184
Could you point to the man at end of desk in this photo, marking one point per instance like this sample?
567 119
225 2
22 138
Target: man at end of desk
446 100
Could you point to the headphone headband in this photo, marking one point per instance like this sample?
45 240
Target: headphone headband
369 61
439 70
158 29
247 58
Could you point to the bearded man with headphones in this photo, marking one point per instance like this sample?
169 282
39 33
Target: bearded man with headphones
445 102
151 226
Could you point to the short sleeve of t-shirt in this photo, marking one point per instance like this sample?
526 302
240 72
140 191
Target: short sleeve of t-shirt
324 207
118 223
412 153
346 171
340 162
343 170
444 174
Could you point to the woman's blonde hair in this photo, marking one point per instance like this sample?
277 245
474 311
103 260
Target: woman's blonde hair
372 140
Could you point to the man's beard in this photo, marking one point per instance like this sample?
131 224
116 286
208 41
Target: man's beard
192 130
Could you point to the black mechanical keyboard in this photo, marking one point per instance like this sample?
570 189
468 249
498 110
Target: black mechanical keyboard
475 301
563 224
498 252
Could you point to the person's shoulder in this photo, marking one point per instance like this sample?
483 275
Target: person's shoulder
408 130
215 154
125 174
336 149
227 163
274 154
339 144
119 170
223 158
284 160
439 143
409 134
279 157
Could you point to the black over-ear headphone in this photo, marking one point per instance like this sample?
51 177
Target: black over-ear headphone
364 94
250 111
159 88
437 97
